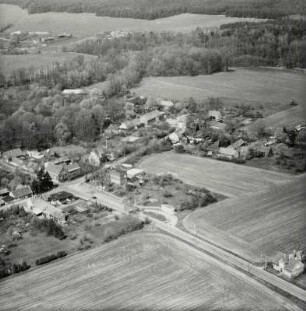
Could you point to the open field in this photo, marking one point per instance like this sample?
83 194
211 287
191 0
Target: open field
138 272
271 221
87 24
9 63
263 85
226 178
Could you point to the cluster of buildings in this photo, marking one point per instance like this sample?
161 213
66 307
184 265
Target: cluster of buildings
291 265
126 175
20 193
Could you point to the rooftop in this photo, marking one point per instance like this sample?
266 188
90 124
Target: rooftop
21 192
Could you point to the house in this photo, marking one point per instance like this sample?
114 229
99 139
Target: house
78 92
289 265
279 261
216 125
96 157
4 192
41 208
238 144
168 209
13 153
118 176
214 115
166 104
134 173
62 196
174 138
21 193
228 153
73 170
130 125
294 268
151 117
58 173
36 155
61 161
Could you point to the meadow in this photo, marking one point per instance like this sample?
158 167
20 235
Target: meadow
138 272
87 24
9 63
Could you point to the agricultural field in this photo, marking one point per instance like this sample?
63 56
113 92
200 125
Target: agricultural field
139 272
271 221
226 178
87 24
9 63
261 85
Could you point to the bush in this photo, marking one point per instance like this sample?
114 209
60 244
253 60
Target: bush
51 257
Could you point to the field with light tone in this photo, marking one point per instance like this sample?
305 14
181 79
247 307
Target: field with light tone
264 214
139 272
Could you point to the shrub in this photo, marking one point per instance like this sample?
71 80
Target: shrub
50 257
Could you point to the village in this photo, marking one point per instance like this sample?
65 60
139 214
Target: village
150 126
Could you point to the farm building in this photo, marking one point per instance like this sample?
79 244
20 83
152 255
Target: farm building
61 161
151 117
130 139
214 115
118 176
21 193
238 144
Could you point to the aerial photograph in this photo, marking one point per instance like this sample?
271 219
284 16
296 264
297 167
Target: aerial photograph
152 155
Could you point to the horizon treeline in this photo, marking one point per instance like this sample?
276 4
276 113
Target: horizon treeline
148 9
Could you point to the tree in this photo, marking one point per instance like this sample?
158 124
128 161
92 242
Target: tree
42 183
62 132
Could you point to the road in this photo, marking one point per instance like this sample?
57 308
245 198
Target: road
87 191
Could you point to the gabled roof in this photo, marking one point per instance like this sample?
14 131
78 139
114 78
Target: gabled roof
280 256
54 169
22 192
13 153
238 143
293 264
228 151
73 167
151 115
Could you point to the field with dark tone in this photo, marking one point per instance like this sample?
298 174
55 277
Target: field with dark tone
139 272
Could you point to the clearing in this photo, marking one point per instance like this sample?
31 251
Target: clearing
226 178
138 272
87 24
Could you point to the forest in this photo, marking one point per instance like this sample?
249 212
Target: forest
148 9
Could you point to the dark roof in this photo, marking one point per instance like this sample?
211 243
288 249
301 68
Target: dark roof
22 192
60 196
4 191
7 199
